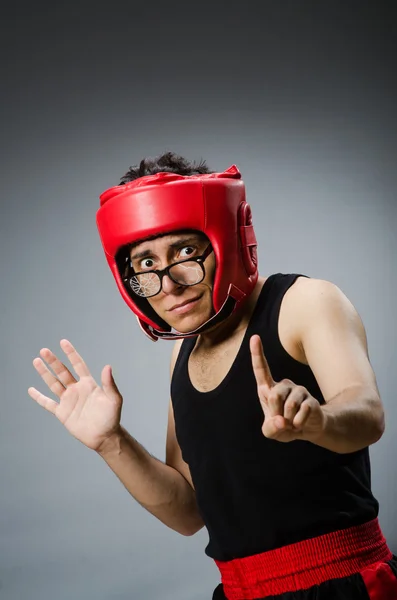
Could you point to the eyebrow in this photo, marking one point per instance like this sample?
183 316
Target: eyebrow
177 244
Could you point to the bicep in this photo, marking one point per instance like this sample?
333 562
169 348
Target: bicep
334 340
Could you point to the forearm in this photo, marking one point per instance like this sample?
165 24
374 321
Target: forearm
159 488
353 420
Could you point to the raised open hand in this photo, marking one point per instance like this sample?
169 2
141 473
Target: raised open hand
89 412
291 412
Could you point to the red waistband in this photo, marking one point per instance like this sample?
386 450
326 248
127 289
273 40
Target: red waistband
304 564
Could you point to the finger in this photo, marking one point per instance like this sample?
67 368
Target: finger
44 401
294 401
302 415
277 398
260 366
275 427
75 359
55 386
108 383
60 370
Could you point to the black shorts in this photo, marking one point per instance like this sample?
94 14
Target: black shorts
381 585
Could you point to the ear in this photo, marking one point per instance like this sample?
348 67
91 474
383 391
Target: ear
248 242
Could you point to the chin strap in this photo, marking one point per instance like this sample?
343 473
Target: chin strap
234 295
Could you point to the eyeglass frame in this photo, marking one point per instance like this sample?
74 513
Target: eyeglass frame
162 272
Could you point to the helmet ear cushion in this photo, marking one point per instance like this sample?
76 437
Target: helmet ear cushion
248 244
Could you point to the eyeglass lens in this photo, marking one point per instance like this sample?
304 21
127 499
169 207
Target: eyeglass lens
149 284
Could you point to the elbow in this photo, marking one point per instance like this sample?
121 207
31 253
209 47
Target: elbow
379 430
378 425
185 530
192 529
190 532
186 533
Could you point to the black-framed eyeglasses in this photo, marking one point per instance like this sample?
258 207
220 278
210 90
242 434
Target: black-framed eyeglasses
147 284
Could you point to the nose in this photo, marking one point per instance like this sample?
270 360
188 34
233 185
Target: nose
169 286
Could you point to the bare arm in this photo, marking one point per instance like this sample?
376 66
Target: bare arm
91 413
158 487
331 339
335 345
165 490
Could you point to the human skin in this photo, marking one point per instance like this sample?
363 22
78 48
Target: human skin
326 333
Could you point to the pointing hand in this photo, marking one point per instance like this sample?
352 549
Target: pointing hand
291 412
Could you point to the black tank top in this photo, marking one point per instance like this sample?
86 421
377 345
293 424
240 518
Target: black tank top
257 494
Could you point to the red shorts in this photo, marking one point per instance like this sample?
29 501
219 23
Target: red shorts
350 564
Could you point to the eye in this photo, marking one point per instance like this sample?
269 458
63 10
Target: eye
187 251
146 264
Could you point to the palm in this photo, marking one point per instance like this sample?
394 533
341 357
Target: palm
89 412
86 412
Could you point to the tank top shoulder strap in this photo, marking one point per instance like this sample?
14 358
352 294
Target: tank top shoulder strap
180 368
264 318
265 322
269 302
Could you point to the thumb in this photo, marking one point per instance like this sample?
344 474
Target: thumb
108 383
273 427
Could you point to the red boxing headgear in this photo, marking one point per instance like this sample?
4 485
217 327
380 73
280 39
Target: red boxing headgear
213 204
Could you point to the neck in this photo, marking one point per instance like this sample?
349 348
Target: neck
237 321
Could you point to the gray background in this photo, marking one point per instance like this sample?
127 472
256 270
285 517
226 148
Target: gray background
301 96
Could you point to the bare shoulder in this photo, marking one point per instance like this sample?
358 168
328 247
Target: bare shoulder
311 286
310 297
311 304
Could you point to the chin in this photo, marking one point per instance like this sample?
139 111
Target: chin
190 322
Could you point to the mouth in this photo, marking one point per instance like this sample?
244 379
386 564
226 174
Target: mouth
185 306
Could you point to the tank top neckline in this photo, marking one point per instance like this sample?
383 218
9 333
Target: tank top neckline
240 352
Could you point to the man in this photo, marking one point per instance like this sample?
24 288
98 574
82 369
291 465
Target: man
273 399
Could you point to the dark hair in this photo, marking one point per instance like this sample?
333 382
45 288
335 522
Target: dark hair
169 162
